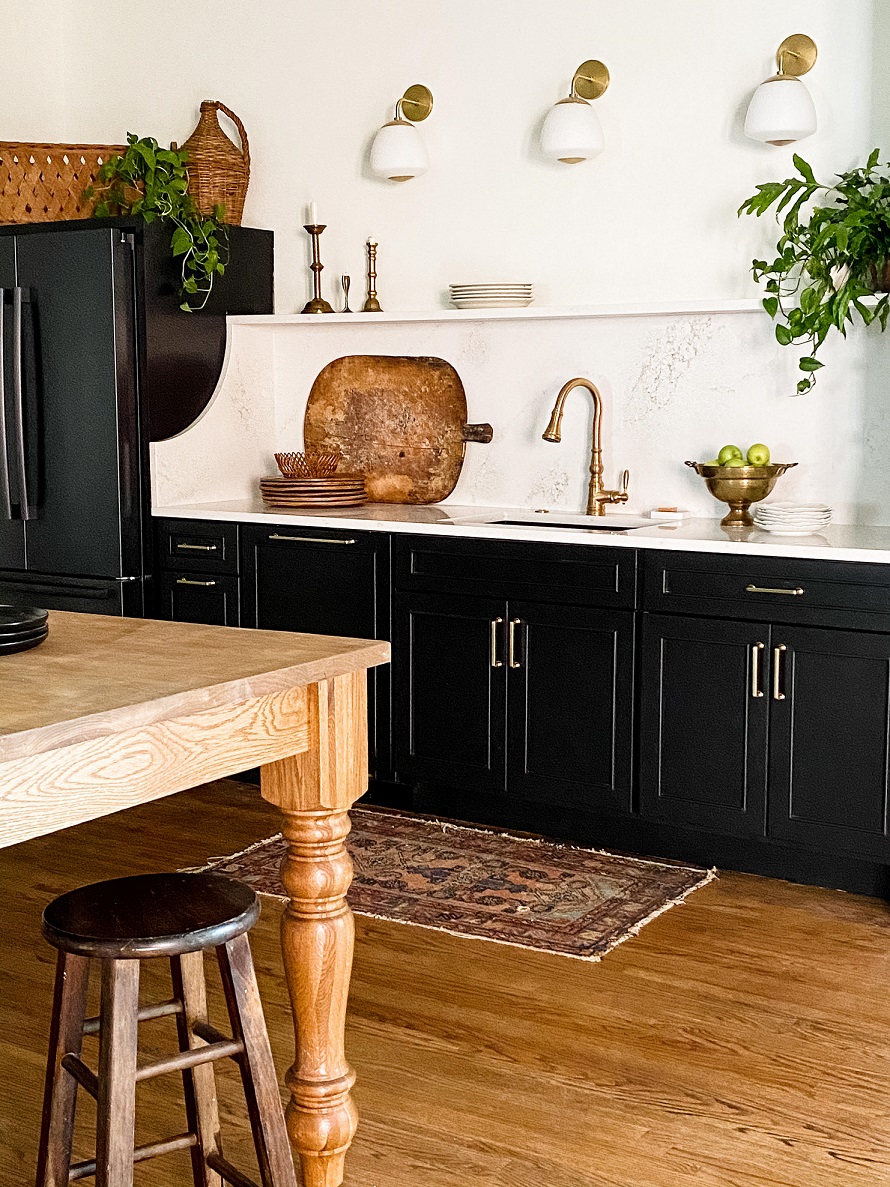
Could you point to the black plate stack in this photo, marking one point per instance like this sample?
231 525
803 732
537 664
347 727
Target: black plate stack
21 627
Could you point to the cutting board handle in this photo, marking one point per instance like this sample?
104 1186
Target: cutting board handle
482 434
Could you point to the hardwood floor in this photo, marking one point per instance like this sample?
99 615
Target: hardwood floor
742 1040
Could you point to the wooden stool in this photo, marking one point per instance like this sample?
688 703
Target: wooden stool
120 923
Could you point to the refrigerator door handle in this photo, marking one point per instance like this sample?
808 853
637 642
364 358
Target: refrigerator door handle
5 497
18 405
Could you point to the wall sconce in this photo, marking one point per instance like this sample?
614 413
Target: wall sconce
398 152
572 131
781 109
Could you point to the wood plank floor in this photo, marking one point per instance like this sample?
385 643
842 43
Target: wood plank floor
742 1040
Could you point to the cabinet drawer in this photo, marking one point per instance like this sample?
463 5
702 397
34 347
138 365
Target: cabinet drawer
581 575
198 545
199 597
807 592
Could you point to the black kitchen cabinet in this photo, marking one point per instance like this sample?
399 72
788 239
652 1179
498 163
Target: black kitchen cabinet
571 693
324 582
199 597
703 723
829 714
450 699
514 697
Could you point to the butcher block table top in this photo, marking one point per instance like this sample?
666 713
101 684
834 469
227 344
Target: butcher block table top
113 712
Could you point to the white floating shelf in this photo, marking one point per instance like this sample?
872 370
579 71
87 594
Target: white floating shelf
530 313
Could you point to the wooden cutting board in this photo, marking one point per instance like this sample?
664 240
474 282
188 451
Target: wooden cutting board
399 421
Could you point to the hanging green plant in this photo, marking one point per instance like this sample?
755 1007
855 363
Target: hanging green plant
829 260
153 182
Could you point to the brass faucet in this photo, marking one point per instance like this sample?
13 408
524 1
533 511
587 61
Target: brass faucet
597 495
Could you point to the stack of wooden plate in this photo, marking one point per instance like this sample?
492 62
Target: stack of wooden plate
21 627
334 491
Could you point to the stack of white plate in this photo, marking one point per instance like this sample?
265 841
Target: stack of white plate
792 519
491 296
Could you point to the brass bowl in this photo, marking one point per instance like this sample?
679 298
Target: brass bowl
740 486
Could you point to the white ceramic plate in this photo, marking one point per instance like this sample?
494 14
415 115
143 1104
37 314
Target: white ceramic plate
491 302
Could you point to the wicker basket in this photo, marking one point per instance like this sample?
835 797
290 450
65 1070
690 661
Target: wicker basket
42 183
218 171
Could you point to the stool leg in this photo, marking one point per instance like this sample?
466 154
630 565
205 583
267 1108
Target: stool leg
60 1093
116 1116
257 1069
199 1083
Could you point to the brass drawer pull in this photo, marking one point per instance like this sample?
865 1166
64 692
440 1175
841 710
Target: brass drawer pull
311 539
794 593
188 581
756 649
778 653
198 547
511 653
495 662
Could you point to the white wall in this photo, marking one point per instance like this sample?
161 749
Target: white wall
654 217
33 79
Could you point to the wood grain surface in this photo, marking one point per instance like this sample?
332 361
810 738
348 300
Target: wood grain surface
96 675
741 1040
398 421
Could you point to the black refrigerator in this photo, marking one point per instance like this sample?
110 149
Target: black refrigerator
96 360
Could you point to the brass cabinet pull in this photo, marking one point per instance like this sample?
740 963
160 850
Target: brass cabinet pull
311 539
793 593
511 650
188 581
198 547
495 662
778 653
756 649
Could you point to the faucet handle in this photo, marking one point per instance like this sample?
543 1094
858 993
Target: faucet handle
625 480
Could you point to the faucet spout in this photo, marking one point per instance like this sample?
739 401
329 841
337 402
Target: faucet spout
597 495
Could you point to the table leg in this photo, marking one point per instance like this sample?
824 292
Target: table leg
314 791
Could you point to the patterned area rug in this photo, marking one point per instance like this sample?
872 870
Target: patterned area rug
491 886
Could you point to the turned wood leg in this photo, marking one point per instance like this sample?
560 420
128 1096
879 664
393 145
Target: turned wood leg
314 791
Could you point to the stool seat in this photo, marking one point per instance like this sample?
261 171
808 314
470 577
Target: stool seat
150 915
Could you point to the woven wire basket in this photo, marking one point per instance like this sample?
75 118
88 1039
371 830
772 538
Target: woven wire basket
42 183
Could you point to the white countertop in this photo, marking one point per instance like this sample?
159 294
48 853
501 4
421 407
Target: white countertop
844 542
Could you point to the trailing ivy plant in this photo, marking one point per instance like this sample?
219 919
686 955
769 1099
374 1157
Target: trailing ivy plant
153 181
831 255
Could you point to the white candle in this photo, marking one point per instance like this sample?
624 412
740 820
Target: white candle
312 217
372 242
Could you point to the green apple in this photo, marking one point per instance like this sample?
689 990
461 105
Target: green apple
712 462
758 455
735 461
727 452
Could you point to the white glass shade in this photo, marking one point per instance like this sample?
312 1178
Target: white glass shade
398 152
781 111
572 132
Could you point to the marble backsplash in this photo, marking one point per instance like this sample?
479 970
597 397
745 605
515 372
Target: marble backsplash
675 386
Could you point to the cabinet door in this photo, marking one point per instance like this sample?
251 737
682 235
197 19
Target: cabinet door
449 690
829 711
199 597
325 583
570 705
703 723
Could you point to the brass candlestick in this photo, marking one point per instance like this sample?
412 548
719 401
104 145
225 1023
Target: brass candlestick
372 305
318 304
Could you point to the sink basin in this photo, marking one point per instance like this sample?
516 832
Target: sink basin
608 523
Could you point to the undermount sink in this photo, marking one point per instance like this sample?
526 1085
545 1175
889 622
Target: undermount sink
608 523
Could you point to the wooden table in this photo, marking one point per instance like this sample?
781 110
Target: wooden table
112 712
